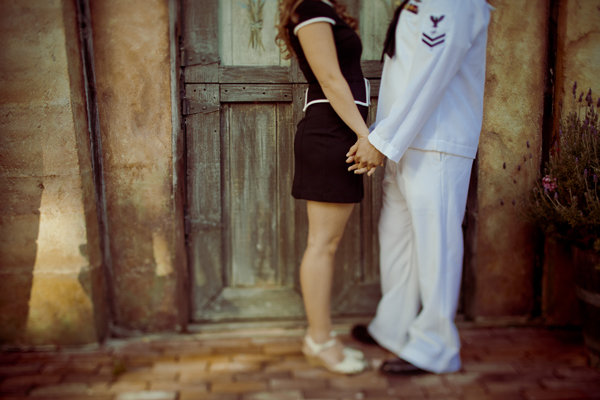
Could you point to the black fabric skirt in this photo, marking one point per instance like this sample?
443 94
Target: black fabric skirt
320 146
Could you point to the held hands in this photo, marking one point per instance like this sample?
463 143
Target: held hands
364 157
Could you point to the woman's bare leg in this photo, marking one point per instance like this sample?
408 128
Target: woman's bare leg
326 224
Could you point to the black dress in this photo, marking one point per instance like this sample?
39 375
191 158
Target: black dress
323 139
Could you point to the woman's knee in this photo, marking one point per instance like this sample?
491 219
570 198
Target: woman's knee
323 244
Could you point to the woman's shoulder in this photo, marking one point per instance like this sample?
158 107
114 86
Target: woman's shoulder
314 8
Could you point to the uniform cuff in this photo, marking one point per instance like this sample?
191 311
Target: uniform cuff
385 148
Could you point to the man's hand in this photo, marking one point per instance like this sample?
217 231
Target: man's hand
364 156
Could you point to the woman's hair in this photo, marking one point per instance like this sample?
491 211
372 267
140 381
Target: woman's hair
287 13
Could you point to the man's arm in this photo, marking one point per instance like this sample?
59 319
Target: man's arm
434 63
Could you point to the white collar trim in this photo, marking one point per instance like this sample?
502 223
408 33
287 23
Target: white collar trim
327 2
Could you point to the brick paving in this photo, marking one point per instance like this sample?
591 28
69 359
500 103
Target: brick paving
498 363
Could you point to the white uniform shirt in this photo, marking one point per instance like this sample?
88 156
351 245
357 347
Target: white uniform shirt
431 94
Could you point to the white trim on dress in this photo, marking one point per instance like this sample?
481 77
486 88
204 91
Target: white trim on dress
313 20
365 103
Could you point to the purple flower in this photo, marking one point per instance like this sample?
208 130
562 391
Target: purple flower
574 89
595 178
598 104
580 97
585 173
588 98
549 183
501 202
556 196
504 165
528 144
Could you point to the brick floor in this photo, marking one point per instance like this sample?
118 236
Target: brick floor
525 363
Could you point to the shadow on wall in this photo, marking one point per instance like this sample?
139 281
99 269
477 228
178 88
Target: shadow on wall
44 221
22 177
20 200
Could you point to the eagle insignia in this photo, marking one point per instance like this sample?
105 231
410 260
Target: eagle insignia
433 36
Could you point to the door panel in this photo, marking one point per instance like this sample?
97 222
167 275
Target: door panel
245 232
247 33
252 182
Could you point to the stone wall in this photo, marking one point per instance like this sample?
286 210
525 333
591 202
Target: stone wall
578 49
134 76
51 279
503 254
509 155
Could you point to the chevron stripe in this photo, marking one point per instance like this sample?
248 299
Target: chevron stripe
432 42
433 39
432 45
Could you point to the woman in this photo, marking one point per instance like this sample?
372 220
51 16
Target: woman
322 37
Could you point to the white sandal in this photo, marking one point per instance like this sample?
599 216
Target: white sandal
349 365
350 351
354 353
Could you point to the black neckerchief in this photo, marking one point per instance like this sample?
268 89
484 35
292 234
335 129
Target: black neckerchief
389 46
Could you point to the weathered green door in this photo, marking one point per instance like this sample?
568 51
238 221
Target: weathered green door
242 102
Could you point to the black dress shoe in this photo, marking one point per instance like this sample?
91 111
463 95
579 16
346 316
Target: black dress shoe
361 334
398 366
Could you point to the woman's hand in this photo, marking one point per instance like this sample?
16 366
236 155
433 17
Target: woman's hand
364 156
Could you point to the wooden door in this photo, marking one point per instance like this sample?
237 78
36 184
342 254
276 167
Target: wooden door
245 232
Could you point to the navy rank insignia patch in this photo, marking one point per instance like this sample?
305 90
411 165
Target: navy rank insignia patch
413 8
434 35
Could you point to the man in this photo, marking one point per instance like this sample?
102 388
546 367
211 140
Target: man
428 123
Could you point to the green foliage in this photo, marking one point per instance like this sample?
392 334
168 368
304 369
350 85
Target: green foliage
565 202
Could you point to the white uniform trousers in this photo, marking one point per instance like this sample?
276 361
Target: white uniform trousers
421 247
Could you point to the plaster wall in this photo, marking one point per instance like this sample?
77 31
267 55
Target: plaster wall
578 50
134 77
51 282
509 157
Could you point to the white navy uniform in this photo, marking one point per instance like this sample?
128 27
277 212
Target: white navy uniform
428 123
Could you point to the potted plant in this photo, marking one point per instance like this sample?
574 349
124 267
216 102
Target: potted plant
565 204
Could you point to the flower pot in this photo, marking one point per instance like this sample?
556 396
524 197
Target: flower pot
587 286
560 305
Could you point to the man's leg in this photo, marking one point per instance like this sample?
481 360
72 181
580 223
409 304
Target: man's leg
436 186
399 304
